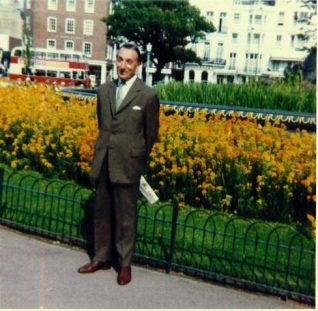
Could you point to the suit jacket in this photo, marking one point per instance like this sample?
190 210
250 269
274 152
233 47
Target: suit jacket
126 136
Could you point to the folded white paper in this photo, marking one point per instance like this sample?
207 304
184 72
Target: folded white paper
147 191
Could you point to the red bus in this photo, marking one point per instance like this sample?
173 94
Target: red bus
68 68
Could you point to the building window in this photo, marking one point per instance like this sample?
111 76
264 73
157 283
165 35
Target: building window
52 4
71 5
281 16
258 19
70 25
66 57
206 50
52 55
303 16
279 40
89 6
292 41
234 37
256 38
191 75
87 48
204 76
249 38
230 79
275 66
51 44
219 51
222 22
209 15
88 27
236 18
69 45
220 79
251 63
232 61
51 24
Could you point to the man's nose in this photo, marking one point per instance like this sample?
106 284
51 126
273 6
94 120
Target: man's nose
122 65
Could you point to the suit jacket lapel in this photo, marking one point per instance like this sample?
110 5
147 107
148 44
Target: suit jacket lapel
132 93
112 96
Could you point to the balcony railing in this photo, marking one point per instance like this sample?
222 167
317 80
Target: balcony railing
217 62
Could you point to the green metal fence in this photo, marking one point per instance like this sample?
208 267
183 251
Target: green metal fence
250 254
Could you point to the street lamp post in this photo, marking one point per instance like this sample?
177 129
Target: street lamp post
148 49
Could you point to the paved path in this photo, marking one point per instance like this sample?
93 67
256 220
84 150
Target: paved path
38 274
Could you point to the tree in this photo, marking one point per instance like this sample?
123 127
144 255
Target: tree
309 33
27 43
309 66
168 25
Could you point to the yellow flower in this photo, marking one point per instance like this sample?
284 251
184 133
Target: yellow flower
213 153
180 195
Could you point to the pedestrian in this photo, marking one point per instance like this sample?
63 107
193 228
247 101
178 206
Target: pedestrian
128 122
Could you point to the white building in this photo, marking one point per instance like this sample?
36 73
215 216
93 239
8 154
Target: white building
10 30
253 38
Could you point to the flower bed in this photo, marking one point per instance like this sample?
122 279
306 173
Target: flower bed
235 166
213 162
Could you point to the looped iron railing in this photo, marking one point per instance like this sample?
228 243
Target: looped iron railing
248 253
48 207
292 120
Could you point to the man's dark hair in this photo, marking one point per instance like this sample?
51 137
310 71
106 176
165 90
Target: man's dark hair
131 46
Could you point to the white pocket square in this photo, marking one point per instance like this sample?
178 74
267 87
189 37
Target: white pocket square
136 108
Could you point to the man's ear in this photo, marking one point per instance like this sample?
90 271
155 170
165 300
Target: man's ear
138 71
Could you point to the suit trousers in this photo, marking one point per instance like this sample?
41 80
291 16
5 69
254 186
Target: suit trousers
115 219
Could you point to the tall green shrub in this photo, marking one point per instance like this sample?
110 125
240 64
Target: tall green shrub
277 96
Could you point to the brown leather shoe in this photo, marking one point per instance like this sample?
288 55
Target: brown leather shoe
94 266
124 275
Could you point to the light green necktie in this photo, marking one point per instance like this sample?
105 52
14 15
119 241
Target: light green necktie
120 94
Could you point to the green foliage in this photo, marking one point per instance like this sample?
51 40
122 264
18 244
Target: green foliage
27 42
167 25
297 97
309 66
293 74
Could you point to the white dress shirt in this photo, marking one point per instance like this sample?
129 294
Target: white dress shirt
126 87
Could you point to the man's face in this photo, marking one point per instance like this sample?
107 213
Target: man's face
126 63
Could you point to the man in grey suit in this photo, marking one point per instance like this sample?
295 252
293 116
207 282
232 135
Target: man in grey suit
128 122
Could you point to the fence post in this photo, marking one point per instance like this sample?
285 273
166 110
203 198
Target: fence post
175 212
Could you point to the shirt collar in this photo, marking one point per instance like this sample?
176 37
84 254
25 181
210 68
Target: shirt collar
129 82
